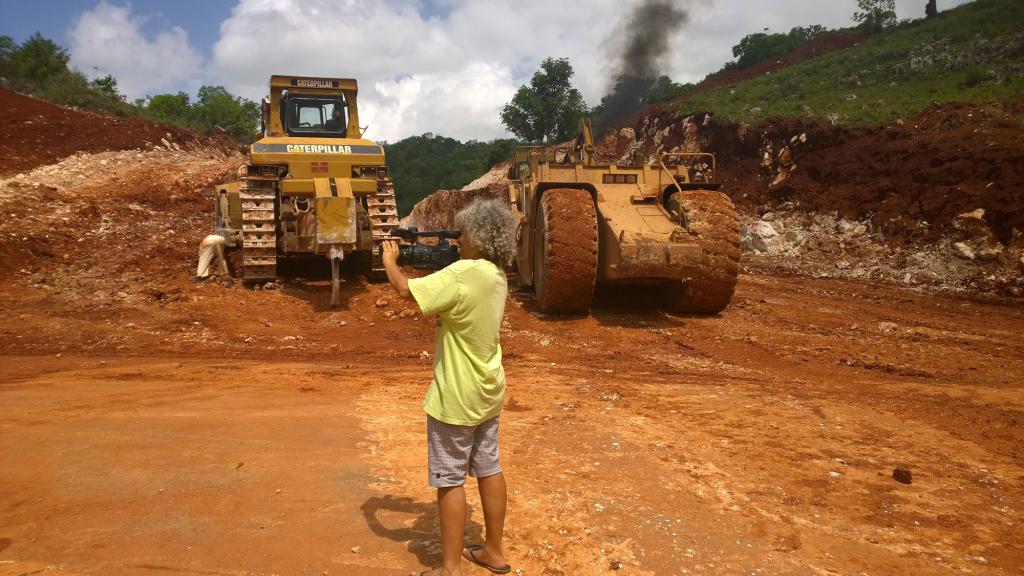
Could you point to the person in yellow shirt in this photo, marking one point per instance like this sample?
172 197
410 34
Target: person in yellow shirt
465 397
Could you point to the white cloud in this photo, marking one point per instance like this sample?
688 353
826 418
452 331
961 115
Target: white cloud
462 105
418 71
108 39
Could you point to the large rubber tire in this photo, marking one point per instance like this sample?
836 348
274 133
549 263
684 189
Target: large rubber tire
711 218
565 251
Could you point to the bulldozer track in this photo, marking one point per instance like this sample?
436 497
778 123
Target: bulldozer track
711 218
565 266
383 211
259 227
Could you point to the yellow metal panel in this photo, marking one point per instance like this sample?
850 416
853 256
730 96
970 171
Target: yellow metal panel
297 187
656 219
284 81
363 186
322 186
335 220
343 187
335 212
286 150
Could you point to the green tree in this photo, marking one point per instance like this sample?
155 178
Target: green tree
423 164
7 48
170 108
39 59
760 46
875 15
216 107
549 108
107 86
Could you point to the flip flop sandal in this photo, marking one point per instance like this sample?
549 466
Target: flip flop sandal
469 555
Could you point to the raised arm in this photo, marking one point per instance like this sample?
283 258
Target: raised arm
395 276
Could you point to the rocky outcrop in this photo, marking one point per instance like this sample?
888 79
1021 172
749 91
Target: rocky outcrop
437 211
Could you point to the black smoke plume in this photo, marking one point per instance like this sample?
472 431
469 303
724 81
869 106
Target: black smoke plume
638 67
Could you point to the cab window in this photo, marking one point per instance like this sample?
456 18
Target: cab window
325 116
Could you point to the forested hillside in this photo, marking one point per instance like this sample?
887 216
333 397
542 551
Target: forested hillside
422 164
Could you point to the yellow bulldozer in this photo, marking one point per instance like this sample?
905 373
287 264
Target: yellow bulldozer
584 223
312 185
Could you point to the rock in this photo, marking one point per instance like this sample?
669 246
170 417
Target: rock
978 214
793 238
850 97
989 253
902 475
407 313
826 221
758 237
887 327
859 230
271 286
785 158
964 251
615 565
381 302
846 227
755 110
355 549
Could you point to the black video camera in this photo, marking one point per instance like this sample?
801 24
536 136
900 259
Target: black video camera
428 256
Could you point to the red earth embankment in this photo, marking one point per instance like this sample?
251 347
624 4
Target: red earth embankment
37 132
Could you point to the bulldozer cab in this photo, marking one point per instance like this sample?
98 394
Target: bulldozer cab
314 116
311 107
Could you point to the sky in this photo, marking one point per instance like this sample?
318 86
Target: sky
441 66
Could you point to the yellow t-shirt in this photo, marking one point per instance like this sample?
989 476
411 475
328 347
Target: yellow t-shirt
468 298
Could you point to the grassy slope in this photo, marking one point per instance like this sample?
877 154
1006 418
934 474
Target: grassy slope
894 74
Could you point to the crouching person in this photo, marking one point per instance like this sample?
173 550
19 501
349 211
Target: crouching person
465 397
211 249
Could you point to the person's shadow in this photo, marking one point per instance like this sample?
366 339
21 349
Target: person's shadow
384 516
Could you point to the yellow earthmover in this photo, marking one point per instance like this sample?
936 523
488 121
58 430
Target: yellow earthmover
312 186
584 223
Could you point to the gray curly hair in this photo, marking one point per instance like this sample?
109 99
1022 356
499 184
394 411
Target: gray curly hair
490 226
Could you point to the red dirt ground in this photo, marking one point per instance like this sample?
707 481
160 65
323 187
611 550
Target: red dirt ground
149 424
37 132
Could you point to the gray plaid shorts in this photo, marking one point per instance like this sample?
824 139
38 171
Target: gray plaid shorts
453 451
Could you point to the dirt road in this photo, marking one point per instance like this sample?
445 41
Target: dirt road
290 441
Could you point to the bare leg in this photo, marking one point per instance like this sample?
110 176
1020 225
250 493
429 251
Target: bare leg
493 497
451 503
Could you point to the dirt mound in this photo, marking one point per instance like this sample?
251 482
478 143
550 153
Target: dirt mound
36 132
437 211
815 48
97 224
910 179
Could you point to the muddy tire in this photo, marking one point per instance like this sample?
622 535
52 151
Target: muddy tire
711 218
565 255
